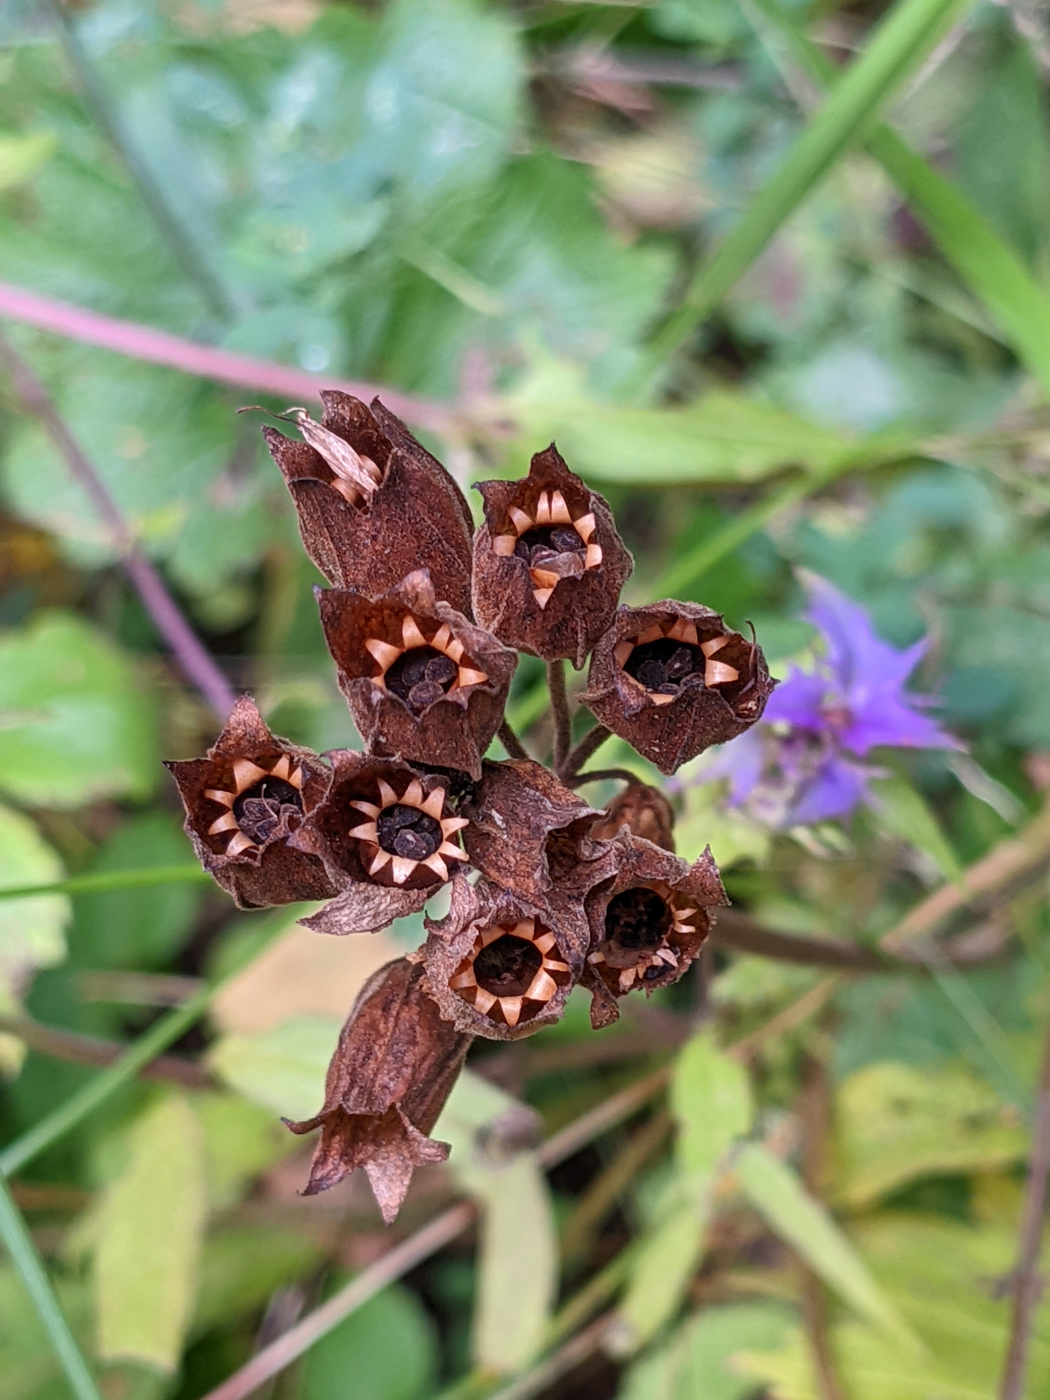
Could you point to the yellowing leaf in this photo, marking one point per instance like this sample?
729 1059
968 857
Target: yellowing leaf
149 1230
896 1122
21 156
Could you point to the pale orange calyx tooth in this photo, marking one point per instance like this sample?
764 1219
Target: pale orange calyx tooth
524 928
246 773
627 977
490 934
560 513
462 980
434 804
441 637
503 545
542 987
220 795
553 965
483 1001
544 942
282 767
227 822
411 634
240 843
651 634
387 795
401 868
367 831
661 699
369 808
543 509
450 825
542 595
683 631
450 852
467 676
544 578
622 651
522 522
296 779
511 1008
454 650
718 673
585 526
379 862
594 556
595 957
349 493
413 795
715 644
383 652
437 865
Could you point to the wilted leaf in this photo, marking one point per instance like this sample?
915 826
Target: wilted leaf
792 1213
904 812
386 1350
76 722
148 1239
30 929
896 1122
282 1069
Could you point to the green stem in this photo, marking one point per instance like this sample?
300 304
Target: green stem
106 880
24 1256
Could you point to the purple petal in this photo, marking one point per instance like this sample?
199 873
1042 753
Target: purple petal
741 761
887 718
798 701
836 788
857 655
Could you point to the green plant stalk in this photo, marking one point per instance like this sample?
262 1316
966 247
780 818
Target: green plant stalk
106 880
19 1244
901 43
985 262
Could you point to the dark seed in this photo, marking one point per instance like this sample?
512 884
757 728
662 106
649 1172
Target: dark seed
542 555
411 844
652 973
668 688
637 919
421 696
261 809
680 664
507 966
406 831
566 541
652 675
522 550
441 670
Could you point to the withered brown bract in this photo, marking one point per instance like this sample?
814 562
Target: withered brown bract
370 538
422 681
548 563
644 810
244 802
672 680
647 923
387 835
394 1067
499 967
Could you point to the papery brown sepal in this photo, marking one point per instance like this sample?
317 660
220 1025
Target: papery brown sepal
644 810
394 1066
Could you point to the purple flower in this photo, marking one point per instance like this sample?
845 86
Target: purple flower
800 765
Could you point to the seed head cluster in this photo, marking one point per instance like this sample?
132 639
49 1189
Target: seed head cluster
425 619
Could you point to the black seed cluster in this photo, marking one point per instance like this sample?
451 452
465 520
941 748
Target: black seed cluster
507 966
663 665
420 676
637 919
406 831
540 544
261 808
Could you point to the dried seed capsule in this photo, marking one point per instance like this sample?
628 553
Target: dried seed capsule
672 680
548 563
498 967
244 802
647 923
373 504
421 680
389 838
394 1067
644 810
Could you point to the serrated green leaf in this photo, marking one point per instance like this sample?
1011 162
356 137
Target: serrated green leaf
148 1237
904 812
76 722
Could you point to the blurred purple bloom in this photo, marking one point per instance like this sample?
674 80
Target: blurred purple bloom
804 769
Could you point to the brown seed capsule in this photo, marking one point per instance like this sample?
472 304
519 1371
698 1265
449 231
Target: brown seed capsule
394 1067
243 803
648 923
528 832
672 680
499 968
373 504
548 563
388 838
644 810
421 680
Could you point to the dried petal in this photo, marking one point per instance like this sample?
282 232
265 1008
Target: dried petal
244 802
672 680
414 516
393 1069
548 563
421 680
500 968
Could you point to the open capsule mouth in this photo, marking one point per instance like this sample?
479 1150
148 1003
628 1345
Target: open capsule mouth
512 973
262 804
423 670
553 542
407 838
671 655
645 929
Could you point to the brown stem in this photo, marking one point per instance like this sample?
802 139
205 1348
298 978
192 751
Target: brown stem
90 1050
588 745
560 711
602 775
1027 1282
193 660
510 741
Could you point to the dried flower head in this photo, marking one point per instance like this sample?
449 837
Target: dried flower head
387 835
647 923
644 811
244 801
498 968
672 680
393 1069
373 504
421 680
548 563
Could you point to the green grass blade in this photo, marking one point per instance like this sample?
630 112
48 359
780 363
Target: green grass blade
19 1244
106 880
901 43
985 262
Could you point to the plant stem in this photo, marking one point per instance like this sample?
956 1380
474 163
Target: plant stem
104 880
19 1244
585 749
91 1050
602 775
510 741
1027 1283
560 710
194 661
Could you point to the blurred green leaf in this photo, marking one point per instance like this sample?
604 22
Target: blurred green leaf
21 156
386 1350
897 1122
148 1237
76 722
711 1103
27 1362
699 1359
242 1267
281 1069
791 1212
241 1140
31 930
904 812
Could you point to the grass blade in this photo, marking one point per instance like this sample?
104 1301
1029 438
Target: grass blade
106 880
901 43
19 1244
